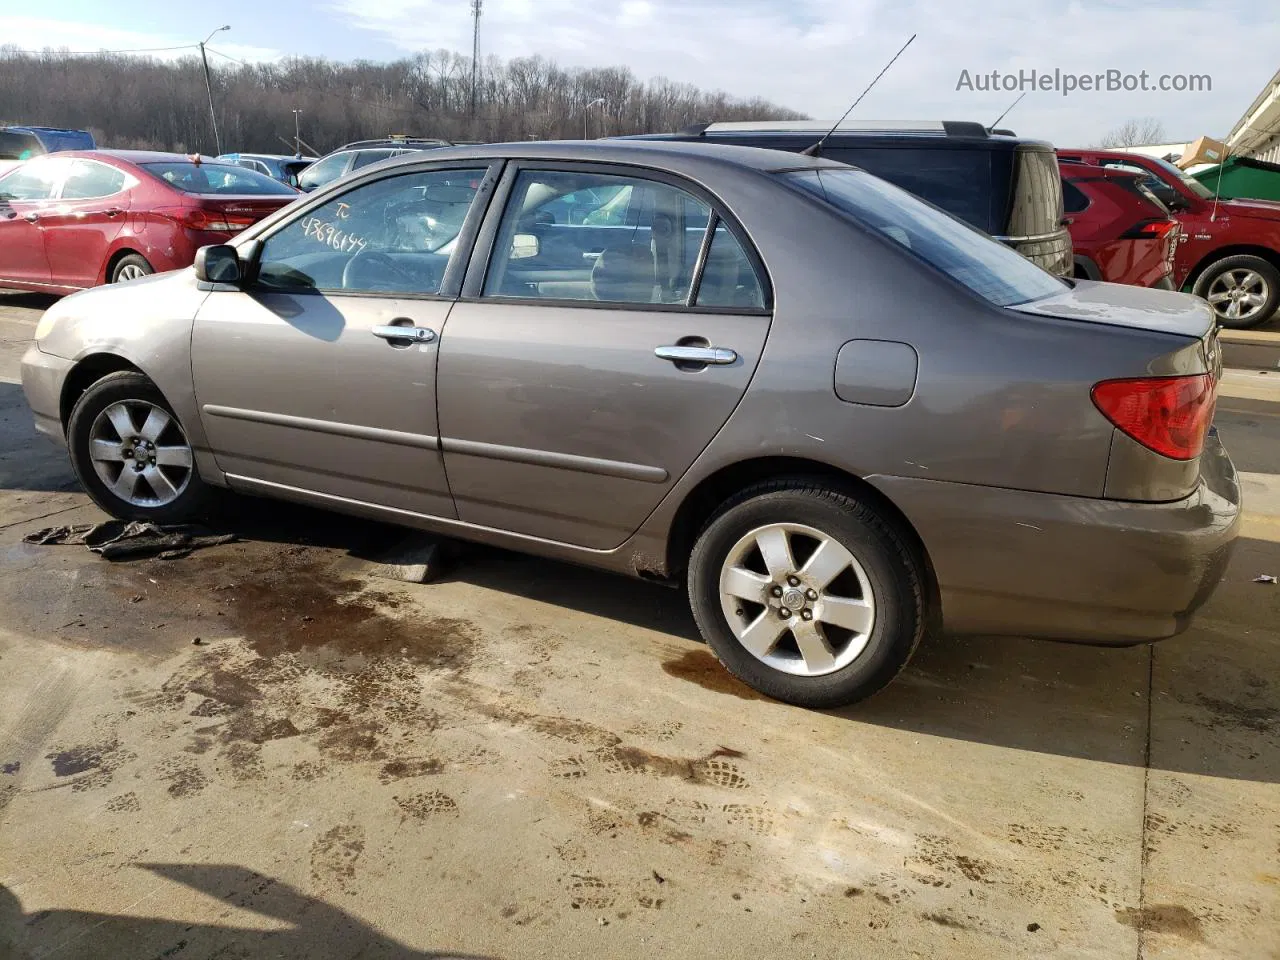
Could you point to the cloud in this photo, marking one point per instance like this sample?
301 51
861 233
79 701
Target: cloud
816 55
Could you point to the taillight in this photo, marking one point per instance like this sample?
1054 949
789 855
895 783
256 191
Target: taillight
1170 415
1149 230
216 221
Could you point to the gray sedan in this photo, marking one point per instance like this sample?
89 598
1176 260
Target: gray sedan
840 417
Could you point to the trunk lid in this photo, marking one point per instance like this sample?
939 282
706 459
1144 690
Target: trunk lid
248 206
1117 305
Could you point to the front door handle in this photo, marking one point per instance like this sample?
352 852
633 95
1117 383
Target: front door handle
32 217
681 354
395 332
113 212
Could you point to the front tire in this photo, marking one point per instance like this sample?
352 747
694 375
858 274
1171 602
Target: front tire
807 593
131 267
1244 291
132 455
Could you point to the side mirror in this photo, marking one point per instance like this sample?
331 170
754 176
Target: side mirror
524 246
218 264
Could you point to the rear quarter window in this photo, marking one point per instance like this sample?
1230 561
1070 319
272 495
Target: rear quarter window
1036 207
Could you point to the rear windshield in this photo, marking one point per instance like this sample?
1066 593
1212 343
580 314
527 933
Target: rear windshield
215 178
958 181
985 266
1035 207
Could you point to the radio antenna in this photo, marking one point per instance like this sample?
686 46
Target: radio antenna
817 147
1007 109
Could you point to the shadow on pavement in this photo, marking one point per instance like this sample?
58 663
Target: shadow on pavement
318 930
28 301
27 460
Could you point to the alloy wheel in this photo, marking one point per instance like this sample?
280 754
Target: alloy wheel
797 599
140 453
1238 294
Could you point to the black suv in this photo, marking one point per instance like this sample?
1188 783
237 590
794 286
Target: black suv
353 156
1002 184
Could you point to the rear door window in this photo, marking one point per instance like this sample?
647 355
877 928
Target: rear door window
576 236
88 181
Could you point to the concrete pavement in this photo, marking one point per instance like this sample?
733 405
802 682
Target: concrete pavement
532 760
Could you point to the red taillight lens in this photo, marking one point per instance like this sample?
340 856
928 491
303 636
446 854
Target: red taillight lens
1149 230
1169 415
217 221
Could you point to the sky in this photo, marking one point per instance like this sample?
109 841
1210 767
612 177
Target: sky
814 56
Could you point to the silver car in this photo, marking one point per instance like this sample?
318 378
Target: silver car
836 414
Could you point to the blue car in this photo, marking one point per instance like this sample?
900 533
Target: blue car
274 165
23 143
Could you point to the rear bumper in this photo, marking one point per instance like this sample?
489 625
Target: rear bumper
42 378
1073 568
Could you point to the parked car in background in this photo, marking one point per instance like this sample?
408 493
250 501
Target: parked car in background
75 220
18 143
1120 232
353 156
274 165
1002 184
1228 250
831 411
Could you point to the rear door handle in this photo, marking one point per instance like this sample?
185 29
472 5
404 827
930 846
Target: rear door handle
113 212
32 217
715 355
396 332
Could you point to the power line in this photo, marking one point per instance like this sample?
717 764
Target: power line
225 56
94 53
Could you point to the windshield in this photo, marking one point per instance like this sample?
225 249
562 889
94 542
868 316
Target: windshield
1190 182
216 178
985 266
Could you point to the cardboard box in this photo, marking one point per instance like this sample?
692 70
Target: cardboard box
1203 150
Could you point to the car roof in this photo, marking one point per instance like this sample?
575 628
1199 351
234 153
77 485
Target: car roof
673 154
950 133
137 156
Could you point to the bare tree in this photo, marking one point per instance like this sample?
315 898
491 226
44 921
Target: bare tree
144 103
1135 133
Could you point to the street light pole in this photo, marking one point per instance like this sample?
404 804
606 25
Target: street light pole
297 134
476 7
208 86
586 113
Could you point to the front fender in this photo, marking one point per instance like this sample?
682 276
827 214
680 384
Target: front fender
145 322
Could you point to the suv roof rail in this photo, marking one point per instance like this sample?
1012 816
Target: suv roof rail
934 128
393 141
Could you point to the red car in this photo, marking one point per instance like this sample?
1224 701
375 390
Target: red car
1228 251
1120 232
80 218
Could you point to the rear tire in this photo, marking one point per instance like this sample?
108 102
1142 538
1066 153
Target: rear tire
1258 283
131 454
846 638
131 267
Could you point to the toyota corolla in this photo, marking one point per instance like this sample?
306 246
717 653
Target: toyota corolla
839 417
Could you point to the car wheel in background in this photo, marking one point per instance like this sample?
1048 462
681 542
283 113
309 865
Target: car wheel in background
131 267
132 455
1244 291
806 593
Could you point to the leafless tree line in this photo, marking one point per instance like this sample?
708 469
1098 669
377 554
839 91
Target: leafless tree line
129 102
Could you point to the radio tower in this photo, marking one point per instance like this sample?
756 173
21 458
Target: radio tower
476 6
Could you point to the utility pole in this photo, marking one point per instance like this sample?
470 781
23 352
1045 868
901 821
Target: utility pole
208 85
297 134
476 6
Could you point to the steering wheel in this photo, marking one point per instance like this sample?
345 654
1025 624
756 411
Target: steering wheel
368 269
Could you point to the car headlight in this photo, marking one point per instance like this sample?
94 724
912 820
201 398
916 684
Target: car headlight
45 326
